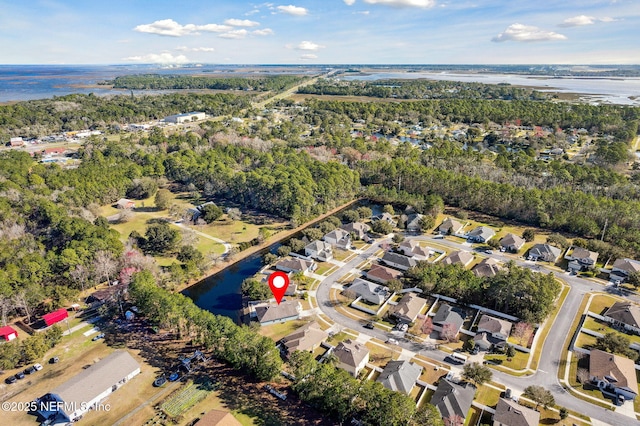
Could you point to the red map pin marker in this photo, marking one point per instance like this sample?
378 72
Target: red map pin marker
278 282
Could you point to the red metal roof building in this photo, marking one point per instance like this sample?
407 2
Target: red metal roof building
55 316
8 333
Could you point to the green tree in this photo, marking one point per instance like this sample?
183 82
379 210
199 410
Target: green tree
364 212
283 250
558 241
564 413
350 216
634 279
615 343
382 227
190 254
529 234
539 395
161 238
163 199
394 285
269 259
388 208
398 238
476 373
511 351
255 290
210 213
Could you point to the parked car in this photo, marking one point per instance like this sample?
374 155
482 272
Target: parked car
370 325
392 341
98 337
10 380
507 393
19 375
174 376
30 370
54 360
38 367
160 381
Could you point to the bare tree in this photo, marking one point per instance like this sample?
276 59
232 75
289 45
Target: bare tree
453 420
124 216
427 326
234 213
104 265
6 306
22 302
80 275
522 332
189 238
449 333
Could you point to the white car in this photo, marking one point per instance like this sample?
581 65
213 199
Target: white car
38 367
392 341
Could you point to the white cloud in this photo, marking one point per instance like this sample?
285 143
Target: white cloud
293 10
241 23
526 33
309 56
581 20
349 2
263 32
159 58
235 34
308 45
169 27
363 12
195 49
578 21
404 3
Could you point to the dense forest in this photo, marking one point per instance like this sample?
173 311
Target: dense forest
164 82
76 112
420 89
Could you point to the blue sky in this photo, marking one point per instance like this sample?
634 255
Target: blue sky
328 31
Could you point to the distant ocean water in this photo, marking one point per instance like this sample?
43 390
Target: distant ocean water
28 82
614 90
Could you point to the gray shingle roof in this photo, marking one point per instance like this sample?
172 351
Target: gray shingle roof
453 399
400 376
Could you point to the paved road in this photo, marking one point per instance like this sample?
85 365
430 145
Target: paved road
549 363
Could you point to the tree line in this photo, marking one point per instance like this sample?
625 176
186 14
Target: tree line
174 81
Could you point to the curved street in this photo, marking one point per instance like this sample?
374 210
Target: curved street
549 363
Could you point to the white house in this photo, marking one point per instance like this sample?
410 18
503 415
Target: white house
319 250
69 401
339 238
481 234
183 118
625 314
623 267
352 357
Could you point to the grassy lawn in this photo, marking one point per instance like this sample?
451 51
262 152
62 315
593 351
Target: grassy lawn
278 331
488 396
341 255
379 355
337 338
601 302
518 362
323 268
430 374
473 416
585 341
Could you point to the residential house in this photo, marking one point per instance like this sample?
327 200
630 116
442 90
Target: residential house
125 204
545 252
296 265
452 399
319 250
512 243
625 314
72 399
358 230
268 313
387 217
306 339
398 261
218 418
449 315
400 376
339 238
580 258
352 357
450 227
483 341
8 333
382 274
411 248
414 222
622 268
408 308
510 413
498 328
481 234
461 257
373 293
488 267
613 374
